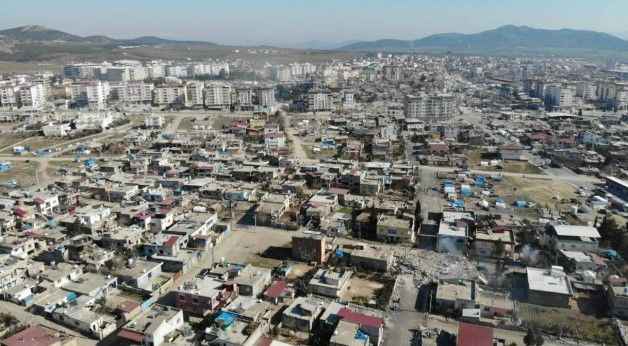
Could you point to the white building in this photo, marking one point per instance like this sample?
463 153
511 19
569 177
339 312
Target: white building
32 96
155 70
92 95
136 92
318 101
195 93
153 326
8 96
218 95
154 121
430 108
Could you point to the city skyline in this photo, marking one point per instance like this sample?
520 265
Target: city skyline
284 23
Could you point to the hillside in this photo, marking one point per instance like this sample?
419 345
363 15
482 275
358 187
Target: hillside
506 38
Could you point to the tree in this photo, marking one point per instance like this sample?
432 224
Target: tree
609 230
533 338
500 249
372 228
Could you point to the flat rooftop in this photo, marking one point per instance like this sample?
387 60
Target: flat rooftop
552 280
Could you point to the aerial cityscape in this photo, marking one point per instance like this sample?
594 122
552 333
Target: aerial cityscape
463 189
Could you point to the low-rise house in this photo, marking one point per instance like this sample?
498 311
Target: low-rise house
486 244
369 257
253 280
453 232
302 314
204 296
549 287
573 238
618 300
393 229
455 295
329 283
78 317
153 326
232 329
310 248
140 274
347 320
278 292
92 285
37 335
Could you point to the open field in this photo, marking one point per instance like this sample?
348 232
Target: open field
361 290
569 323
474 158
35 143
23 172
19 67
543 192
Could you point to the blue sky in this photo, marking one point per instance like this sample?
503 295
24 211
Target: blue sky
295 21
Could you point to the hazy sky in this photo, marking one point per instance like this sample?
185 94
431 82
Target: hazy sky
295 21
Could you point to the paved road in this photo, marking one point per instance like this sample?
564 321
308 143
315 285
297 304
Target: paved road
297 144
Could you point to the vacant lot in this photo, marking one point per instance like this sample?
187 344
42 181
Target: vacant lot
474 157
362 290
24 173
569 323
261 247
35 143
541 191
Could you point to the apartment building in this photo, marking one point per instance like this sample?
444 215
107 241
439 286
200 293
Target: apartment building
430 108
170 95
218 95
560 97
92 95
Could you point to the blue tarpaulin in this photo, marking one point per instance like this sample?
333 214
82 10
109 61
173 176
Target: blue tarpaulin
340 253
226 318
360 335
71 296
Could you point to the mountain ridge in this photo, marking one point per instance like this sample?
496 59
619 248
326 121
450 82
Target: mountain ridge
502 38
38 33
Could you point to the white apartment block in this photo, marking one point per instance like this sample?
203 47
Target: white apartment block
318 101
178 71
92 95
81 71
8 96
155 70
135 92
265 96
430 108
243 98
169 95
218 95
32 96
195 93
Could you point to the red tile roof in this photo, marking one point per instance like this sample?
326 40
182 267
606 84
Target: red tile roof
276 289
32 336
361 319
474 335
131 335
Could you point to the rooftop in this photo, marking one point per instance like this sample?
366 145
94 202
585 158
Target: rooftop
552 280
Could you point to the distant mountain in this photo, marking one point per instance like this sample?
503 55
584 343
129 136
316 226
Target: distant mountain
37 33
505 38
37 43
321 45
